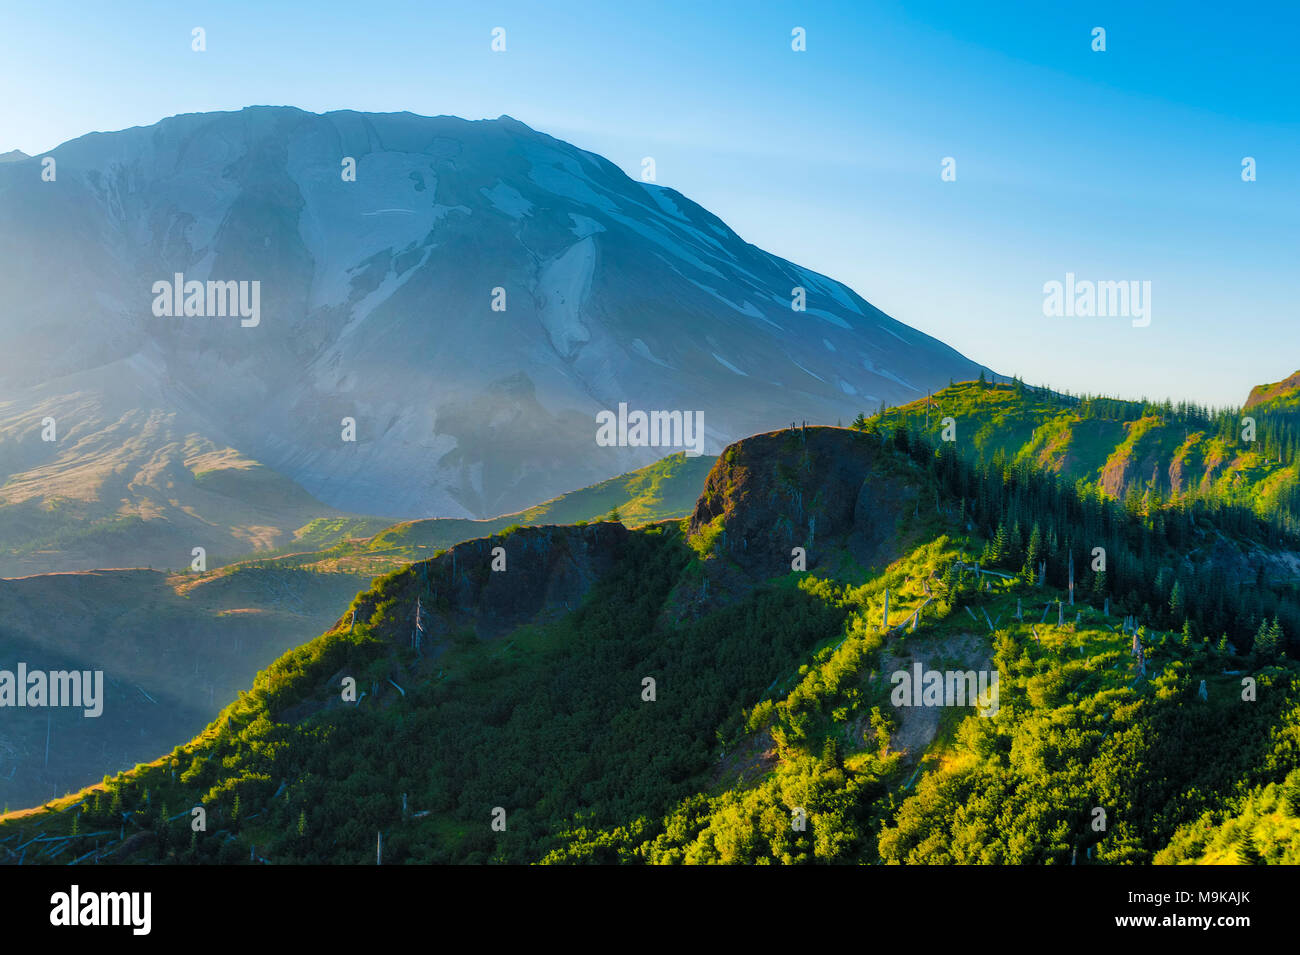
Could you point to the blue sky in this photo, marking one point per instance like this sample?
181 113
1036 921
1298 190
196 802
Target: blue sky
1122 165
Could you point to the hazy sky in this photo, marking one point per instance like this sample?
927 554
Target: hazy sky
1122 165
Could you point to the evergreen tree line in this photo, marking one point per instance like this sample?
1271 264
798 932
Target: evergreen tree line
1168 565
1274 434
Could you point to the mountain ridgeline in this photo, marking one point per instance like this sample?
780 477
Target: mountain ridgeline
1143 453
719 689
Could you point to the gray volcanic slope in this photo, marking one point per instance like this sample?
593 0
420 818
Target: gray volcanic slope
376 304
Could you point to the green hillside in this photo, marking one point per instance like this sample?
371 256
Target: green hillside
664 490
1260 827
519 726
1158 454
177 647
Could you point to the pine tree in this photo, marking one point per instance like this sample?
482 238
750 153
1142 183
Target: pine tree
831 753
949 579
1247 853
1266 640
1033 553
996 550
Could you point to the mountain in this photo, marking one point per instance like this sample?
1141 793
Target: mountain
177 647
14 155
687 692
375 303
129 483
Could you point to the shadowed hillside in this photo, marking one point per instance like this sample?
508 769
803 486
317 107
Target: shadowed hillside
174 650
177 647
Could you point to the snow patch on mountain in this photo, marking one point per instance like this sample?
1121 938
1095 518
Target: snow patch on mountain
745 308
884 327
728 365
374 222
658 194
642 349
668 243
806 371
890 376
583 227
829 287
828 317
563 286
507 199
563 177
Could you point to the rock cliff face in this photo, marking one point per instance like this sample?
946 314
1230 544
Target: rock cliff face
832 491
822 489
547 572
1281 392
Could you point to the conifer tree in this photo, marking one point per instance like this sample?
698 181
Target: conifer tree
1247 853
1177 608
1033 553
949 579
1266 641
831 753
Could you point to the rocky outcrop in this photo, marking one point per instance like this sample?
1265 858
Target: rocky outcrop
541 573
1261 394
823 489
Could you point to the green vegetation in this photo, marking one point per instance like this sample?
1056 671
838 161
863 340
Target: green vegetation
770 733
665 490
1161 455
1262 826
